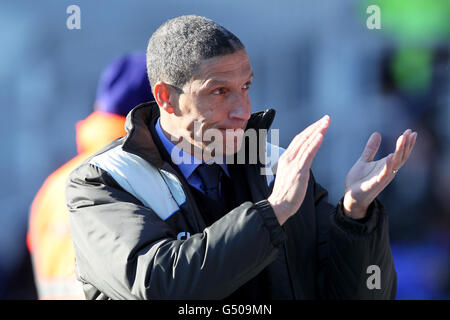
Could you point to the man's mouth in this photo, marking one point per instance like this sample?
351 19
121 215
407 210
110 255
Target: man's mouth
232 129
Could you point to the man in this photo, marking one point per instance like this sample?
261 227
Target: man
147 226
123 84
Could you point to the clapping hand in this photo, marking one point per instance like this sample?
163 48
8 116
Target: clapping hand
367 178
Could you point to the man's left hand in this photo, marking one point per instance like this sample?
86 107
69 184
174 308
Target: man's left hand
367 178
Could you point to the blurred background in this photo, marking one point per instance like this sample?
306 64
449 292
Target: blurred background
310 58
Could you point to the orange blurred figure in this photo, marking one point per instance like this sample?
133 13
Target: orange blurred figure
123 85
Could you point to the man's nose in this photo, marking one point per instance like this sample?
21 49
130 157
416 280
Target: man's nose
241 109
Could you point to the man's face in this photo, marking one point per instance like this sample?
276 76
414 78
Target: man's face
217 98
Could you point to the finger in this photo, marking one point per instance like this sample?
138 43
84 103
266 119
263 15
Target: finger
307 156
407 135
371 147
387 173
412 141
389 166
398 151
377 183
319 126
308 141
304 146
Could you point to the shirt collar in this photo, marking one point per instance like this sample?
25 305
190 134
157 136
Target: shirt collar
187 167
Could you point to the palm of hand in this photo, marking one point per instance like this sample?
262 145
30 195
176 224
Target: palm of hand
367 178
364 178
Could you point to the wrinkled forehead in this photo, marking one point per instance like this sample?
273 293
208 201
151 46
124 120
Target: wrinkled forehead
230 67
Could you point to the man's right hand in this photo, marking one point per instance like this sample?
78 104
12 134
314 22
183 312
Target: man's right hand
293 170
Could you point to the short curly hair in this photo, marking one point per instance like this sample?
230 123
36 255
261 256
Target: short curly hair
177 47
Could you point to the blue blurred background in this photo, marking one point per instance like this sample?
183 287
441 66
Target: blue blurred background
310 58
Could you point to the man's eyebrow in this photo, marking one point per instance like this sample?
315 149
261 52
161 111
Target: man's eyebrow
210 83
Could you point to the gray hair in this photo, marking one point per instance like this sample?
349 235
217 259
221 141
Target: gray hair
177 47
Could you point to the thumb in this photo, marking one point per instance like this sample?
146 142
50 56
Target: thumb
371 148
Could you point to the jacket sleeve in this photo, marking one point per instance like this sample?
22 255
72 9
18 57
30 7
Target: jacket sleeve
349 249
126 251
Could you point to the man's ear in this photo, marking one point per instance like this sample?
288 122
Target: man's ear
164 96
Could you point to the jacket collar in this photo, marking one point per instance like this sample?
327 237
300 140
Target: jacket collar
139 140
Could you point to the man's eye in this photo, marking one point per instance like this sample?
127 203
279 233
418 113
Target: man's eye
219 91
247 86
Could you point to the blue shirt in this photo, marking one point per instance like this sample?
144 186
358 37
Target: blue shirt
187 169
